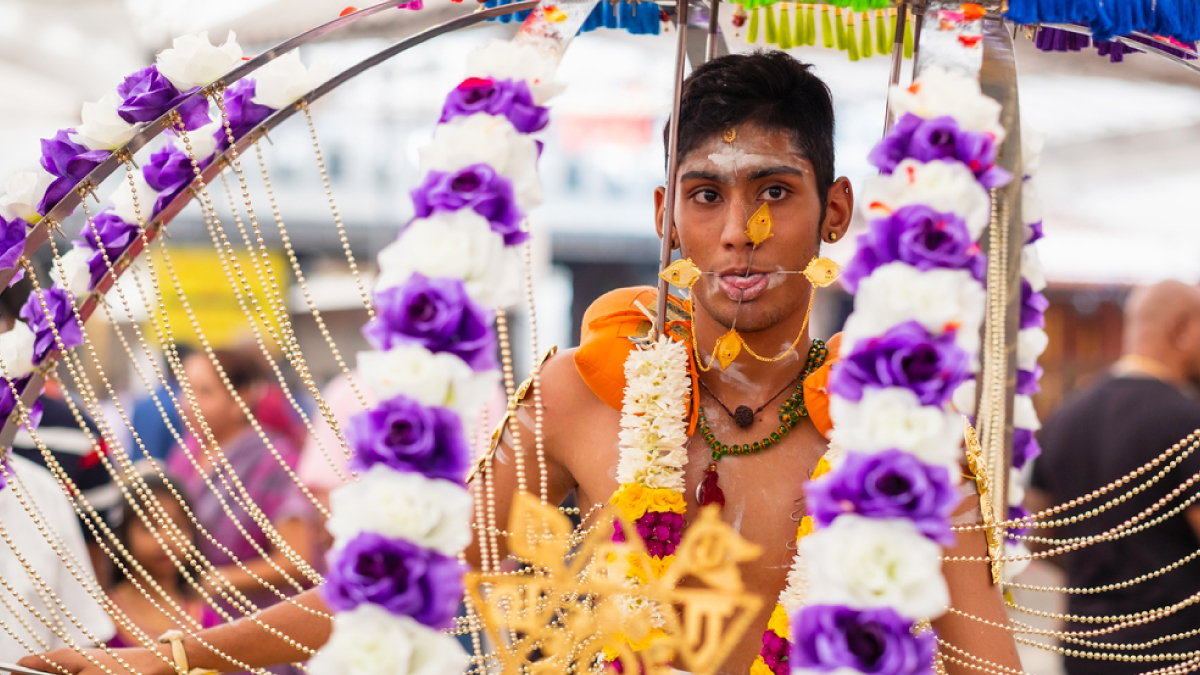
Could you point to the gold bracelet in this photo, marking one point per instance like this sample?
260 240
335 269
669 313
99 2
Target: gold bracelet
179 654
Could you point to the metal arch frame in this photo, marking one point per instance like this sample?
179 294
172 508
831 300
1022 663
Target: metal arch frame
41 232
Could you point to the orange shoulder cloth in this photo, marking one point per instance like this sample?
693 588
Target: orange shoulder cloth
615 317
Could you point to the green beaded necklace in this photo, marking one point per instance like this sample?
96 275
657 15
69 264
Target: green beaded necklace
790 414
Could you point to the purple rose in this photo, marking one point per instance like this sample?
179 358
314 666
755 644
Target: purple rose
503 98
477 187
169 172
1033 232
146 95
244 114
872 641
59 314
436 314
1025 447
1033 307
12 241
8 403
1027 381
935 139
891 484
397 575
107 235
919 236
404 435
908 356
893 148
940 138
69 162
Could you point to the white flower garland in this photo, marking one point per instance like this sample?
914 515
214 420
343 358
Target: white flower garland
653 437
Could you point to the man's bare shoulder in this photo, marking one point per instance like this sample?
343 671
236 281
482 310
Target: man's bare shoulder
564 391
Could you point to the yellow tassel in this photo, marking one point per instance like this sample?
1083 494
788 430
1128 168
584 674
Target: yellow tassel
772 32
752 29
881 32
826 28
810 25
841 29
800 31
851 38
908 35
785 27
867 50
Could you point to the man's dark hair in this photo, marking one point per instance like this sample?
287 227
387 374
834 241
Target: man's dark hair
769 88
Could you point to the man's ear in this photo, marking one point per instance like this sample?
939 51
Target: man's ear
839 210
660 197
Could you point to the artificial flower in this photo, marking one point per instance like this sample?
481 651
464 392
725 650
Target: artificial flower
479 188
146 95
8 399
1033 142
372 641
437 314
16 350
23 191
431 379
938 299
945 187
1033 306
432 513
841 640
866 563
1031 268
58 314
69 162
1034 232
894 418
73 271
397 575
404 435
107 236
1025 447
919 236
506 59
12 241
484 139
889 484
102 127
1024 415
203 141
1031 343
510 99
944 93
939 138
283 81
1028 381
242 112
168 172
456 245
963 400
1032 209
906 356
193 61
132 203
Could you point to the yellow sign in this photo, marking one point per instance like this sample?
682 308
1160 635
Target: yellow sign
212 292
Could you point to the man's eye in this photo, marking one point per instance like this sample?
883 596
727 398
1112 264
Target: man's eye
707 196
774 192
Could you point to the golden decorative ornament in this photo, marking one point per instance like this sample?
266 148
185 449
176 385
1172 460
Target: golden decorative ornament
682 273
822 272
730 135
760 227
978 469
729 346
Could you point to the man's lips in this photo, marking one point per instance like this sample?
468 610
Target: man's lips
743 288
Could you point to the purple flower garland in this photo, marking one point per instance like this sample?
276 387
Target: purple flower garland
479 188
404 435
436 314
874 641
147 95
106 236
69 162
59 314
907 356
919 236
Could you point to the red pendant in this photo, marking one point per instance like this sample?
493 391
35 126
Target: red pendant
710 492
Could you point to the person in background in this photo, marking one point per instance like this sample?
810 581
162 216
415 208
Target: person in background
153 558
265 480
22 479
1145 406
155 427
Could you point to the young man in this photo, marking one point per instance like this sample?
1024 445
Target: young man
755 129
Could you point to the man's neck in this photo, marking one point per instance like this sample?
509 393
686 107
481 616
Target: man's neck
748 379
1138 363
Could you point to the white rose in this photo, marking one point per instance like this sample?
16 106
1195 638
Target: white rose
458 245
123 203
940 185
193 61
370 640
281 82
1024 414
865 563
1031 268
432 513
432 379
898 292
16 350
102 127
1016 488
76 273
939 92
963 399
1031 201
1033 142
893 418
487 139
508 60
1031 343
23 191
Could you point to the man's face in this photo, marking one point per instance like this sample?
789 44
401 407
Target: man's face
722 184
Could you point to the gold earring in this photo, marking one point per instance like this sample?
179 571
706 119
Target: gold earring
832 237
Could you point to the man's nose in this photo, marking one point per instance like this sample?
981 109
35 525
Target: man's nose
733 234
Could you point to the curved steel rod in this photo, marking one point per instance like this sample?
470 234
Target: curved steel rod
153 228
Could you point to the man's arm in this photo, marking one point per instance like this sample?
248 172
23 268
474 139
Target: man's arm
972 592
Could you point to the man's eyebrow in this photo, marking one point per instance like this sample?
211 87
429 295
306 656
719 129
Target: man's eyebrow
706 175
772 170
